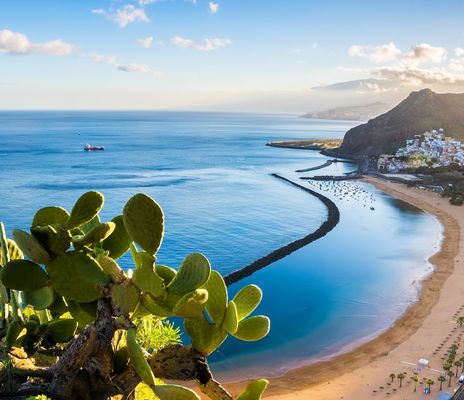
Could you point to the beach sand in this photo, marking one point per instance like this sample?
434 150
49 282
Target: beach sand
418 333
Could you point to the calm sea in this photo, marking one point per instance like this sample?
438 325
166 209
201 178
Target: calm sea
211 174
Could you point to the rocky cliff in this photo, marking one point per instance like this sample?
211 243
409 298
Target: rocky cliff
419 112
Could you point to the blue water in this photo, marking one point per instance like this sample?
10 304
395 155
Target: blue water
211 174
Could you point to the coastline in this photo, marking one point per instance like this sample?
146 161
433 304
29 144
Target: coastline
354 374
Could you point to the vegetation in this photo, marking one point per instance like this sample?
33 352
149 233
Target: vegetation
400 377
441 379
75 325
415 379
430 382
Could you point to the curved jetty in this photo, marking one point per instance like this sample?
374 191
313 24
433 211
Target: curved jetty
333 217
326 164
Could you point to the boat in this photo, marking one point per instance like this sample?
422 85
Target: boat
88 147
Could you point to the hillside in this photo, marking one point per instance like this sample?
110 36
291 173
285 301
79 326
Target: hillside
350 113
419 112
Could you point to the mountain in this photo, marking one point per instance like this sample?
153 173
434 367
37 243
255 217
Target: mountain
420 111
350 113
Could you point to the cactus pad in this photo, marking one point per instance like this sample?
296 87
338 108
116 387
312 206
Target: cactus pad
50 216
174 392
246 300
252 329
190 305
166 273
97 234
138 360
217 297
126 296
193 273
54 239
230 323
87 207
145 277
77 277
61 330
154 306
254 390
41 298
31 246
23 275
205 336
83 313
119 241
111 268
14 252
144 222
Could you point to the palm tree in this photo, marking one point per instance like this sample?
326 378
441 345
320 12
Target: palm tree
401 376
392 376
460 321
457 364
446 366
415 379
462 361
430 382
450 374
441 379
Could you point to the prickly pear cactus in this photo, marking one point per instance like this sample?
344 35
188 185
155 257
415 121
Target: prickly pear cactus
62 290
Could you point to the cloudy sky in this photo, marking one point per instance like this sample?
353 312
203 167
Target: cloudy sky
259 55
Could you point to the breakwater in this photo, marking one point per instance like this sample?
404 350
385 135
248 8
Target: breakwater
332 177
326 164
333 217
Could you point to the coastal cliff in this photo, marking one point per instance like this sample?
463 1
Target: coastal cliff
419 112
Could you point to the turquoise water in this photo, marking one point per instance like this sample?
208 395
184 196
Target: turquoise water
211 174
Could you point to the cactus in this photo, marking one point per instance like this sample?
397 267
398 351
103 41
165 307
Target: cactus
86 208
83 291
41 298
254 390
217 297
137 358
119 241
193 273
190 305
144 222
31 247
206 337
61 330
230 323
97 234
111 268
246 300
174 392
50 216
126 296
252 329
145 277
166 273
23 275
77 276
83 313
55 239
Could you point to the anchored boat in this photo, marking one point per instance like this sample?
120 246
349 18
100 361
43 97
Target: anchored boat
88 147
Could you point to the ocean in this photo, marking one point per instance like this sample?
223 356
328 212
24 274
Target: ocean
211 174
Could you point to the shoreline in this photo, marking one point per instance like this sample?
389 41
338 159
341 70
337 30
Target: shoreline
313 380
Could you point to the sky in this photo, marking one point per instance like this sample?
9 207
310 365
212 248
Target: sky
231 55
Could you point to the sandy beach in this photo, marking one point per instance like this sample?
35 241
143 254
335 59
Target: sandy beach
425 330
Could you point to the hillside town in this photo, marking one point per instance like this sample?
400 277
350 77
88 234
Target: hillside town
431 149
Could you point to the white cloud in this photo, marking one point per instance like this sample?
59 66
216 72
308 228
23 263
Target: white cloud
213 7
191 1
18 43
315 45
209 45
134 68
125 15
146 42
423 53
459 52
146 2
297 51
377 54
416 76
111 60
